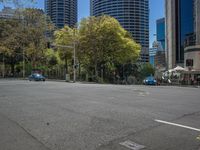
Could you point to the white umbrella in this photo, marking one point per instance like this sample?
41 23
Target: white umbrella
171 70
179 68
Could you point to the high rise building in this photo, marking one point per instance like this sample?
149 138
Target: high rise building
160 31
133 15
160 60
7 12
157 55
182 29
62 12
152 54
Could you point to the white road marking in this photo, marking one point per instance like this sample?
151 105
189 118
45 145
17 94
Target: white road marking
178 125
132 145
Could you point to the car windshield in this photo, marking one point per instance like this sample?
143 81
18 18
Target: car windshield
150 78
37 75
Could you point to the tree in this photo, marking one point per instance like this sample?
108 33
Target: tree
64 39
36 25
24 37
52 58
146 70
11 41
104 43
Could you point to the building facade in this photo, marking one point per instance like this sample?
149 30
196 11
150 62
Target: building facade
152 54
181 25
192 42
7 12
157 55
133 15
160 31
62 12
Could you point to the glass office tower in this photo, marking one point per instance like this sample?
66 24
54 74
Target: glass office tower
160 31
133 15
180 26
62 12
185 25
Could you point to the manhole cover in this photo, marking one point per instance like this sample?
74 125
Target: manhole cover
132 145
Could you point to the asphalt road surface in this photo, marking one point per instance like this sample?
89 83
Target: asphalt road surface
67 116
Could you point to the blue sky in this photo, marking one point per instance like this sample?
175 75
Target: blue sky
156 12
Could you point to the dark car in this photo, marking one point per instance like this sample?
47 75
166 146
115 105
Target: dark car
150 81
36 77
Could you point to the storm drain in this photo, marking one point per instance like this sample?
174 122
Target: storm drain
132 145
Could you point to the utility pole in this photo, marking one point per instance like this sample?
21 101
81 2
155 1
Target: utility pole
3 66
74 67
74 57
23 65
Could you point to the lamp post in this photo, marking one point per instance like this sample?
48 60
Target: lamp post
74 57
23 64
3 66
74 66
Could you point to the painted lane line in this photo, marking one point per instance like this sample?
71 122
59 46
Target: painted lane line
178 125
132 145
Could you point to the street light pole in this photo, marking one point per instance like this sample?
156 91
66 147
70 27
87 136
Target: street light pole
74 67
23 65
23 21
3 66
74 57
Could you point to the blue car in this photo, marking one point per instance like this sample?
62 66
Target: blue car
36 77
150 81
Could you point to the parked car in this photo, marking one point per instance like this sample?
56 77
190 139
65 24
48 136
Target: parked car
149 81
36 77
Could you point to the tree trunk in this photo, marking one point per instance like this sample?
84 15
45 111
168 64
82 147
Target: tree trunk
13 69
66 66
79 71
96 70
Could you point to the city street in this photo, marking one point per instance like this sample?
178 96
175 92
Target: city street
74 116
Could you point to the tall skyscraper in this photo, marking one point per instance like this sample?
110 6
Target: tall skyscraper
182 26
62 12
160 31
133 15
157 55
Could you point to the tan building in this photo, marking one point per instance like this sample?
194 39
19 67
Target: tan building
182 19
170 10
183 38
160 60
197 21
192 58
192 43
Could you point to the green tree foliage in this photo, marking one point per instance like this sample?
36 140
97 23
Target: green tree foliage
103 42
35 27
11 41
146 70
64 39
52 58
24 35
